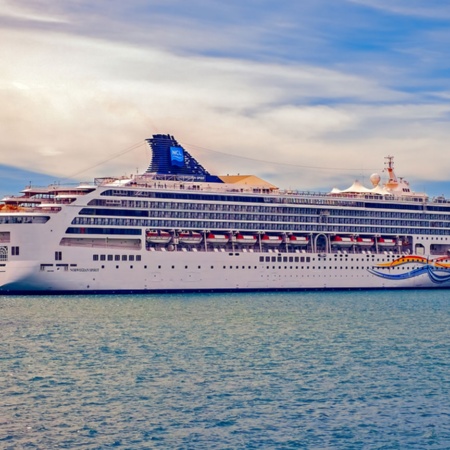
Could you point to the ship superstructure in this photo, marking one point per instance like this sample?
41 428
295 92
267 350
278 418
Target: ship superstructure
178 228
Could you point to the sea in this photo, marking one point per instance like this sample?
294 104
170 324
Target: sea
271 370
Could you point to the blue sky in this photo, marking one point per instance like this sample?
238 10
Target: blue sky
309 95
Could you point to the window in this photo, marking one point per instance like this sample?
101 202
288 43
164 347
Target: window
95 257
15 251
3 253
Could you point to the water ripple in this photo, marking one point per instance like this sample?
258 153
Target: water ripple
326 370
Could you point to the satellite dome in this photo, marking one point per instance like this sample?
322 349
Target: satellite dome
375 179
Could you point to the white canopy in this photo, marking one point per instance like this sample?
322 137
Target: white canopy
358 188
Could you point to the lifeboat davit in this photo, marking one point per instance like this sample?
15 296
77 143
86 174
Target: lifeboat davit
190 237
297 240
271 240
339 241
364 242
245 239
385 242
158 237
217 239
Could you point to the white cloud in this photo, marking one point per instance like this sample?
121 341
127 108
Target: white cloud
15 10
434 9
70 102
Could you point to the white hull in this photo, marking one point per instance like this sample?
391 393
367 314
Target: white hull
197 271
149 234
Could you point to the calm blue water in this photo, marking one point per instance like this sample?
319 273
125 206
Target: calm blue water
333 370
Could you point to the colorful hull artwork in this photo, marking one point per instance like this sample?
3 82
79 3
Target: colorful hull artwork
437 269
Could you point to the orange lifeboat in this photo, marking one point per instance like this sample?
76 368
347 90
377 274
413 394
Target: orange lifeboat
339 241
190 237
364 242
217 239
386 242
271 240
158 237
297 240
245 239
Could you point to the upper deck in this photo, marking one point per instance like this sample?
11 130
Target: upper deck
174 173
53 197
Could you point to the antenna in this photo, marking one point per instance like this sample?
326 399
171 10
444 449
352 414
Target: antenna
390 168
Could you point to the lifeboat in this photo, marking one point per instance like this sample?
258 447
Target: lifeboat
190 237
217 239
158 237
364 242
339 241
385 242
245 239
297 240
271 240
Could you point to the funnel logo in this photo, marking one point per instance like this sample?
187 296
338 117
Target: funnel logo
177 156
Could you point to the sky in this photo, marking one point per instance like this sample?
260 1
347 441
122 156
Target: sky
308 95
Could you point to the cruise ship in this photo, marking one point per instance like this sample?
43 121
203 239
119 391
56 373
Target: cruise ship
177 227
